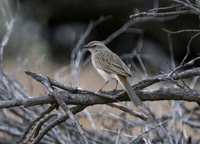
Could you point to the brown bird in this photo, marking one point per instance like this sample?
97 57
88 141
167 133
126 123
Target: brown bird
110 66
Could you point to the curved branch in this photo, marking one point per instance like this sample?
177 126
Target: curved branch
189 95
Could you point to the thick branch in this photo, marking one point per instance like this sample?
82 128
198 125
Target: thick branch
89 99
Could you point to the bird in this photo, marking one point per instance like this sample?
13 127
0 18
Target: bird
110 66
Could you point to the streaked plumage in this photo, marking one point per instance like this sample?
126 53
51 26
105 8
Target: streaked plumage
110 62
110 66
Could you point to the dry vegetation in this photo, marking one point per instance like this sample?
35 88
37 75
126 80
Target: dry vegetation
69 114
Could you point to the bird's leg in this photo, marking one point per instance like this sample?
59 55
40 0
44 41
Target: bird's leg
103 86
116 85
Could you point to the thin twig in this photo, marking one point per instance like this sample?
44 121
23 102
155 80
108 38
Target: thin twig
118 135
67 110
90 120
38 127
145 132
196 10
190 63
161 14
136 114
33 122
180 31
164 8
172 62
177 74
123 29
77 54
188 47
56 122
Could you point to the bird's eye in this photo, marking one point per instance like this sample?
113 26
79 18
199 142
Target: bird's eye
94 46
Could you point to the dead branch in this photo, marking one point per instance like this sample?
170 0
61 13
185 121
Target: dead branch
82 97
38 119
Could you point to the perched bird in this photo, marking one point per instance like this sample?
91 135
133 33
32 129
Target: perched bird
110 66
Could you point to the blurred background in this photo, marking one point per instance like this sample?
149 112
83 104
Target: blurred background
46 32
52 28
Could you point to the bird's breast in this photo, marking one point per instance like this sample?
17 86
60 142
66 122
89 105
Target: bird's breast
105 75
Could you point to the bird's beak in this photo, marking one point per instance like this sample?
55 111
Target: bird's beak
85 47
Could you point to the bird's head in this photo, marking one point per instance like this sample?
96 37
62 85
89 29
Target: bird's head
95 46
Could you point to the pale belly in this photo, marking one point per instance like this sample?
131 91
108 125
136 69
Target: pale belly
105 75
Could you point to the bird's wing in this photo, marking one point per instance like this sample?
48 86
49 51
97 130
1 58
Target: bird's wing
111 63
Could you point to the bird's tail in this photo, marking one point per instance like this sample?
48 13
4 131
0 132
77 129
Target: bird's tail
134 98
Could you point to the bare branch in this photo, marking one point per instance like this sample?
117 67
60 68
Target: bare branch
152 128
6 37
177 75
161 14
124 28
188 5
136 114
56 122
45 123
150 81
61 102
164 8
33 122
37 127
77 53
188 47
181 31
89 99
